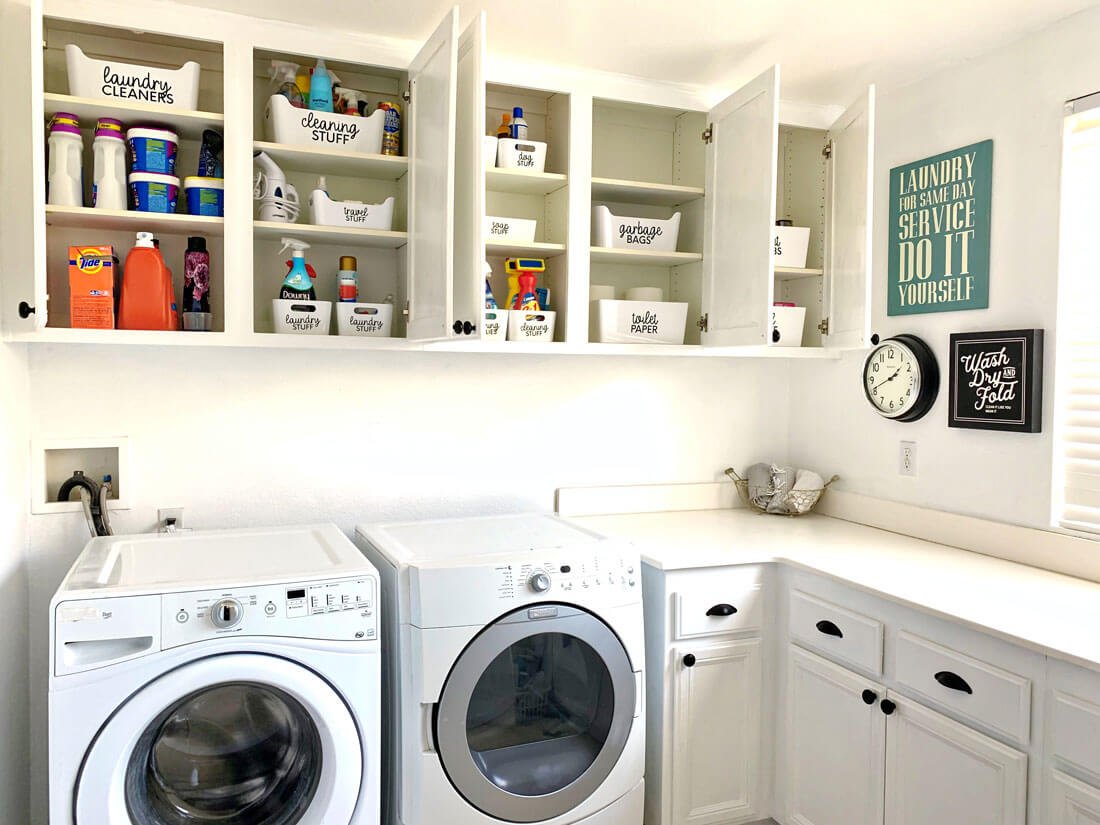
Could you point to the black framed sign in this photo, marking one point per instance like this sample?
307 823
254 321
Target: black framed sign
997 381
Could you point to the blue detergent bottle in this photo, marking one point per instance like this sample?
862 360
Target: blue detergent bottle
320 89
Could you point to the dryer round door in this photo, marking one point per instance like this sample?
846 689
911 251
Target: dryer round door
235 739
535 713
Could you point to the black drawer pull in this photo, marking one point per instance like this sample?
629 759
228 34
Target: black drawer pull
887 707
953 681
869 697
829 629
722 610
689 660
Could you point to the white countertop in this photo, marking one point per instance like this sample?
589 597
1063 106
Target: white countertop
1049 612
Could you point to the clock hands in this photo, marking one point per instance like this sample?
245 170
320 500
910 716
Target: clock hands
892 377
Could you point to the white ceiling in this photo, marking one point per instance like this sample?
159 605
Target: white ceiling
828 50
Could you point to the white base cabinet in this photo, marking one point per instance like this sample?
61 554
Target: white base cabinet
1072 802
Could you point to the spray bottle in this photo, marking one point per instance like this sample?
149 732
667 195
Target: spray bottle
490 301
524 270
298 285
320 89
284 75
278 199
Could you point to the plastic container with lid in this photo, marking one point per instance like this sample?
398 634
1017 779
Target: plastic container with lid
205 196
66 170
153 150
151 192
108 165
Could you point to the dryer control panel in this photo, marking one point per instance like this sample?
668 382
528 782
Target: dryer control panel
339 609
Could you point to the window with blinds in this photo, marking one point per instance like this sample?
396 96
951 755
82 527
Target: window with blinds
1077 426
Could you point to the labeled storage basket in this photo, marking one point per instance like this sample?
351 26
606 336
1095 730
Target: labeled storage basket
640 322
494 325
789 246
787 324
324 211
301 317
489 151
531 325
529 155
798 502
131 82
371 320
284 123
519 230
649 234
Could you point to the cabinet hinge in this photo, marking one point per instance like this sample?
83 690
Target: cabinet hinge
703 321
828 150
823 327
407 95
708 133
405 311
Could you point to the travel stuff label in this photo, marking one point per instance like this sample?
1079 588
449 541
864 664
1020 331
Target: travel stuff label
939 232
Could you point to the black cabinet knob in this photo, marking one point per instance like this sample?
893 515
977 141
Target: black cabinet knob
722 610
457 327
887 706
25 310
953 681
869 697
689 660
829 629
468 328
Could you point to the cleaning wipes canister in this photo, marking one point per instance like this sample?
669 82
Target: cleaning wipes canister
153 150
150 192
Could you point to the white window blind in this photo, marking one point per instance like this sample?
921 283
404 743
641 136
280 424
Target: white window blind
1077 426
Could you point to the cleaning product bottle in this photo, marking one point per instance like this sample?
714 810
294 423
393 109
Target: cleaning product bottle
490 301
109 165
298 284
196 285
505 129
519 125
66 174
320 89
301 80
146 300
322 184
210 150
527 300
347 280
284 75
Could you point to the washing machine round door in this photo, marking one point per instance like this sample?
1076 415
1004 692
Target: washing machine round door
236 739
535 713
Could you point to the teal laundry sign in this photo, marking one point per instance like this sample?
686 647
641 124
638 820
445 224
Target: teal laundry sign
939 232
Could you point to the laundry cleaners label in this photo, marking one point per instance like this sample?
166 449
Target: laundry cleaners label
143 87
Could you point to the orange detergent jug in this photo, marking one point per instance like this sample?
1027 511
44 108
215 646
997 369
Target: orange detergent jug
146 301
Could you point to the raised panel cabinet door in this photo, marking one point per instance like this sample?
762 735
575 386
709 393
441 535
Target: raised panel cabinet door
469 208
716 731
849 186
836 744
431 148
1072 802
940 771
739 214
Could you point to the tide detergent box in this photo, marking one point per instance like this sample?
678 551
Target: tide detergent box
93 287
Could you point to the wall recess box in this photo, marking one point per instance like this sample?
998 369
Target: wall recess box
54 459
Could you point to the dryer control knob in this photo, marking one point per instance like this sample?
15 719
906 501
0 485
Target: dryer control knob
225 613
539 581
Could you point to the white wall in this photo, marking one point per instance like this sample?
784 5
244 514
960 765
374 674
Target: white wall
1015 97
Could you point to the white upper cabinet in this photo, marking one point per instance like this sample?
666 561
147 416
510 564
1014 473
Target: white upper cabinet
847 291
742 154
432 88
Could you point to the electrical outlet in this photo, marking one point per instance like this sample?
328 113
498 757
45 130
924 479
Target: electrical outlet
907 458
165 514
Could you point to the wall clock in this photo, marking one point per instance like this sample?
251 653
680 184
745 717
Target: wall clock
901 378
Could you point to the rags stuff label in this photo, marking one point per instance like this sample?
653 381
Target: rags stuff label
940 211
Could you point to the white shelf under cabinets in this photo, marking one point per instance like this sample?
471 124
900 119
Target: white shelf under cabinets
85 217
520 182
380 238
649 194
185 122
639 257
791 273
330 162
534 249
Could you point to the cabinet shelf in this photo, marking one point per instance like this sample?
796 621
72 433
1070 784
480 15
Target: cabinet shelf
185 122
791 273
639 257
177 338
637 192
381 238
85 217
519 182
330 162
534 249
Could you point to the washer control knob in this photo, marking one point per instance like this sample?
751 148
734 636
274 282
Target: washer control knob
539 581
225 613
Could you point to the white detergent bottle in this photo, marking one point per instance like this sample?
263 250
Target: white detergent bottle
66 173
109 166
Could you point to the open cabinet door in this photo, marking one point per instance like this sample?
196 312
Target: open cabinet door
431 150
469 208
849 185
742 154
22 168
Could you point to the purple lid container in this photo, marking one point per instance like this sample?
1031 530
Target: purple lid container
65 122
109 127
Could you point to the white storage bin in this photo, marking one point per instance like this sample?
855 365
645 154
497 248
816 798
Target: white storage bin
494 325
370 320
531 325
648 234
489 151
284 123
787 323
641 322
520 230
789 246
529 155
301 317
324 211
131 82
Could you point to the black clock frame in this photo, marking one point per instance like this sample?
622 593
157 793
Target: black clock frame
929 377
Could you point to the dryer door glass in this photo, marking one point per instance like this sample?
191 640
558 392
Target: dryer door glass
536 712
236 753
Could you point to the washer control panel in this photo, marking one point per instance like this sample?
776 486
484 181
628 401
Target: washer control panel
587 573
330 609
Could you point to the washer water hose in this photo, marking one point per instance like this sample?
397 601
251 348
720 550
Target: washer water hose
93 498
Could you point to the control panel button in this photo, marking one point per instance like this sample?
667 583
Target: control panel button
270 608
226 613
539 581
182 616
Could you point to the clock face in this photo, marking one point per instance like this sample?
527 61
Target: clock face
892 379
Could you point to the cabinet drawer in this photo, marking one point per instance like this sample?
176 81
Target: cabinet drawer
729 600
837 632
974 689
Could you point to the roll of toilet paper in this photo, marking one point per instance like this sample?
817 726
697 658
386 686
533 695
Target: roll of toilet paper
601 292
645 293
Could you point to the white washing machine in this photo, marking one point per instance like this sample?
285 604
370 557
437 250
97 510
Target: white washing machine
513 648
216 677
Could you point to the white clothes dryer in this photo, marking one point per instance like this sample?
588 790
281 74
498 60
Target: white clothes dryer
216 677
513 649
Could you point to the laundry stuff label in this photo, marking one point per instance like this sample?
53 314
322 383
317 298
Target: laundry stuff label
940 210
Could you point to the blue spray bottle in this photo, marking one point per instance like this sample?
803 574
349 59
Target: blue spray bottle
298 285
320 89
